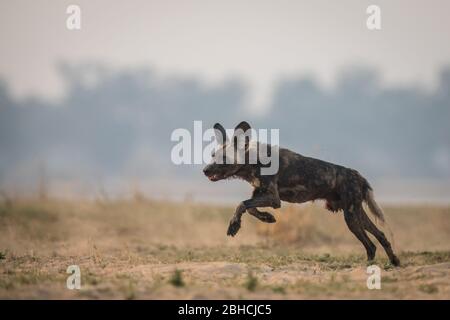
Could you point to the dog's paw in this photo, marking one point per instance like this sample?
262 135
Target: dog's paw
395 261
266 217
234 227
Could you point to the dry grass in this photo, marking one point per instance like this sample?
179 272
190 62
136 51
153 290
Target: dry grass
153 249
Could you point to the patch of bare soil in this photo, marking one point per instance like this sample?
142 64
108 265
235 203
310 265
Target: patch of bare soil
158 250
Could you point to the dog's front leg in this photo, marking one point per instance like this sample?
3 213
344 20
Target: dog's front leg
262 215
235 223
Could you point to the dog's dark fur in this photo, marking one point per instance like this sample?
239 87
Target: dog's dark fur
301 179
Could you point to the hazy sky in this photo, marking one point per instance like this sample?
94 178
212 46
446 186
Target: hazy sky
260 41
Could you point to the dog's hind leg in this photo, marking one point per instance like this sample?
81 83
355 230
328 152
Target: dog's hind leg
356 226
262 215
372 228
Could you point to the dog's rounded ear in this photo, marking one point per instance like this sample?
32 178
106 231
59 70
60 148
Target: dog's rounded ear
244 126
221 134
242 135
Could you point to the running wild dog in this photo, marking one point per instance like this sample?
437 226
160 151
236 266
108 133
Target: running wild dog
299 179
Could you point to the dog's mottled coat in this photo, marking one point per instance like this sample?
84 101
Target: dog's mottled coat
301 179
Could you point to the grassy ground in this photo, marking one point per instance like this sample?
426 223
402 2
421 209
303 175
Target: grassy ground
151 249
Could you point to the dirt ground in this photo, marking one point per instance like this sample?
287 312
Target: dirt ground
143 249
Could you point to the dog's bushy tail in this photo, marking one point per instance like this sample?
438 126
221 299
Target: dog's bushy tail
378 213
373 206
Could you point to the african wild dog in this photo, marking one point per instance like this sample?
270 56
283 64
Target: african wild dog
299 179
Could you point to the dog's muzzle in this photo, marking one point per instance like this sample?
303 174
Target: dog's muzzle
211 176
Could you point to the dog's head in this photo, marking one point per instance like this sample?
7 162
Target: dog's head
231 155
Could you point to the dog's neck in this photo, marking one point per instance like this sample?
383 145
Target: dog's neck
249 173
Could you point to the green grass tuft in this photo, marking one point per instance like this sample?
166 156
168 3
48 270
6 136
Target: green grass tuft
251 282
177 279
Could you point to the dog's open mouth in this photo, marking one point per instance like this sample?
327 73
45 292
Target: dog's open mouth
215 177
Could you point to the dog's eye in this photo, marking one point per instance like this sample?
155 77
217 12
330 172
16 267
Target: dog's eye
213 154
